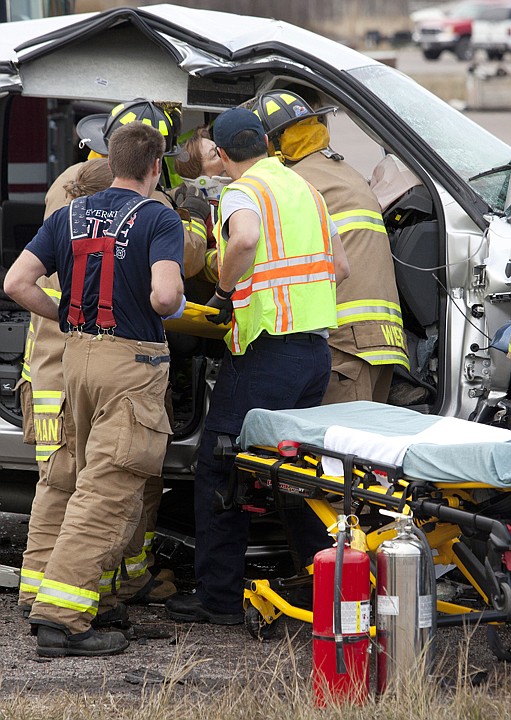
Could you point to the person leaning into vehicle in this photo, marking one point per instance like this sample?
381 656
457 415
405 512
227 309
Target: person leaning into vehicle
94 132
138 585
201 167
280 255
115 366
369 340
141 587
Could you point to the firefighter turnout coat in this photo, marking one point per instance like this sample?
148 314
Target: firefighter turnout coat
369 323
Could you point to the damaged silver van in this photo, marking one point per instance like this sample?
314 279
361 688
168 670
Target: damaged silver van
443 183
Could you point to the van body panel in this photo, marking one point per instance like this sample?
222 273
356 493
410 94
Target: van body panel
449 229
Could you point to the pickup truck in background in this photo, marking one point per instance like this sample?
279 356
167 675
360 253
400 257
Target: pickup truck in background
492 32
452 32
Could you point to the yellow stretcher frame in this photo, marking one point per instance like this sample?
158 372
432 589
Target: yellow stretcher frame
443 537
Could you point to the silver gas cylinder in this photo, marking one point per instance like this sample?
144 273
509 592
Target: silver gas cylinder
405 603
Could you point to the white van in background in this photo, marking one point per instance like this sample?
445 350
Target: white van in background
492 32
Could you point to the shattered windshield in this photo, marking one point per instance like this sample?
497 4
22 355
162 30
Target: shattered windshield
464 145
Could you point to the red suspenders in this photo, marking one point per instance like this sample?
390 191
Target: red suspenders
84 246
81 251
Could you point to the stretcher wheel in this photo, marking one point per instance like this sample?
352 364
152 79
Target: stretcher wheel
257 625
497 644
503 603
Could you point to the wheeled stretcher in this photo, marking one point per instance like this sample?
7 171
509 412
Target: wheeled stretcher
453 475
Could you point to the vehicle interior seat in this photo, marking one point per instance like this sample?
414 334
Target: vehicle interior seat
414 237
390 179
19 222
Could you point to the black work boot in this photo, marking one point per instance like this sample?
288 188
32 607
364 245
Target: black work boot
183 607
53 642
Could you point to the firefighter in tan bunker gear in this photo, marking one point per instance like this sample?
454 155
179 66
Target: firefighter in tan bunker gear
43 411
43 425
42 369
369 339
115 388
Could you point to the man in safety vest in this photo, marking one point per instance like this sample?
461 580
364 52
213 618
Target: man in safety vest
115 367
279 257
42 396
369 340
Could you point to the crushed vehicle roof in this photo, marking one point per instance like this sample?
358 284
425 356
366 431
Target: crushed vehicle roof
197 39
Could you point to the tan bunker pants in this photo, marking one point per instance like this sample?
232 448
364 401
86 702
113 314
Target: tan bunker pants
117 406
57 482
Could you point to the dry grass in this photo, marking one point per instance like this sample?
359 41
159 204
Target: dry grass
273 691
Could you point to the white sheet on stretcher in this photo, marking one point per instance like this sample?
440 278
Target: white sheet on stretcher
392 449
429 447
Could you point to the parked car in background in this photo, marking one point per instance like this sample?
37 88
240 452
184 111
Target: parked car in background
491 32
453 31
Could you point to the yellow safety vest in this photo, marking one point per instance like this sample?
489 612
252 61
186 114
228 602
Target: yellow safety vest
290 287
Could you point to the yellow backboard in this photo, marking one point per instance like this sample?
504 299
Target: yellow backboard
193 322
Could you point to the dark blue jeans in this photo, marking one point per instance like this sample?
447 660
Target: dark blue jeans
275 374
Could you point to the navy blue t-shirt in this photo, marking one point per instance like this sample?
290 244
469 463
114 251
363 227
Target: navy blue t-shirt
154 232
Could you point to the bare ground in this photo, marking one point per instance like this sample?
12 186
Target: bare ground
211 656
204 657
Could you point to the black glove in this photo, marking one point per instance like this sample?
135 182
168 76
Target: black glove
224 305
195 202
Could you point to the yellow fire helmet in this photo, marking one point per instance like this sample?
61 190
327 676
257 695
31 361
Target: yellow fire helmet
279 109
96 130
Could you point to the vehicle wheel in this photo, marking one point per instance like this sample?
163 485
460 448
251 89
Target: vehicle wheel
11 415
494 54
257 625
431 54
464 49
498 637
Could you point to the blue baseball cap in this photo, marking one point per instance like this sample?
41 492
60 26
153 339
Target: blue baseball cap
231 123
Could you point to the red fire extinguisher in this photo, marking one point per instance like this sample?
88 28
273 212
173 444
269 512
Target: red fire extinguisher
341 623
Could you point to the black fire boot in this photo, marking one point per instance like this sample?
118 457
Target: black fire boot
25 614
58 642
25 611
